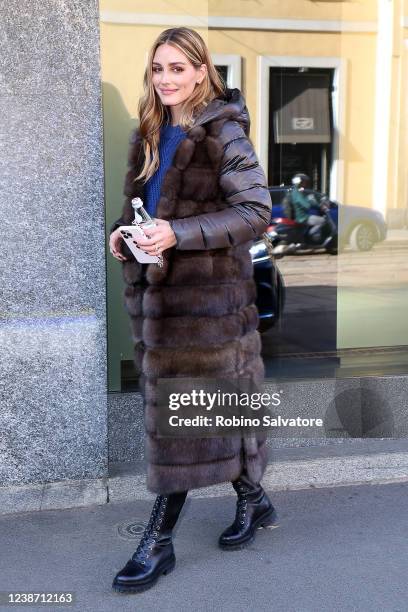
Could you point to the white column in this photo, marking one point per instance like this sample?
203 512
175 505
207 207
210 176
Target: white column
382 105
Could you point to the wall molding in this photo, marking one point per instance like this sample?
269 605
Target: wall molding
238 23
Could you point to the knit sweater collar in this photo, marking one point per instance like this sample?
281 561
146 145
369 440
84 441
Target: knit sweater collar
170 131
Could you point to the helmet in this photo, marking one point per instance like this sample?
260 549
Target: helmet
300 179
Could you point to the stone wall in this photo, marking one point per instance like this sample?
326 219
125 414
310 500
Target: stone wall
53 321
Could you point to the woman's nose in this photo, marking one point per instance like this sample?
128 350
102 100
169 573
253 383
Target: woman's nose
165 78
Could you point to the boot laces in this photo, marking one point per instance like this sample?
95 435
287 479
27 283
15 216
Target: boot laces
151 531
242 504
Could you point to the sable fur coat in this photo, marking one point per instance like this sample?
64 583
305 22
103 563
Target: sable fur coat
196 316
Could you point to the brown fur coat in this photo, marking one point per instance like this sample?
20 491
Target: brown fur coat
196 317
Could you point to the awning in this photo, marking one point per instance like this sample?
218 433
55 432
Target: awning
302 108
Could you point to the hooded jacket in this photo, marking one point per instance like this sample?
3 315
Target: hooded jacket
196 316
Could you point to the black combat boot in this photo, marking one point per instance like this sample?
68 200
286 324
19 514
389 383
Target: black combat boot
155 553
254 510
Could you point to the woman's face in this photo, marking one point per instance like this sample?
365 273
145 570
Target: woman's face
174 77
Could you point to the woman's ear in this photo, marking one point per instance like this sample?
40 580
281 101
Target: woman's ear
202 72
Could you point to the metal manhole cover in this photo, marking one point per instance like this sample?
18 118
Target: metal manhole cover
131 531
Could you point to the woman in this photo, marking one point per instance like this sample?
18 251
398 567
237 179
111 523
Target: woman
193 165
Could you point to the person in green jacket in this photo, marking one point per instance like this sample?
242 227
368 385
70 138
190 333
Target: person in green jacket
297 204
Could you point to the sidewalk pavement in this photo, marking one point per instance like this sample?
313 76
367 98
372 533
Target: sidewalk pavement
334 549
398 235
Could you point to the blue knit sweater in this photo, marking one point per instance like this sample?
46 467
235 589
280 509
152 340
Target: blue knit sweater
170 138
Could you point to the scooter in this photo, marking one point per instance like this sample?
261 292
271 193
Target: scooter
287 236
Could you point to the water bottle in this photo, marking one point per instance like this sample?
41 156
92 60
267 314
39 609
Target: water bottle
142 217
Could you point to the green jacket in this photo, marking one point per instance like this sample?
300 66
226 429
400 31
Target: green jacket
301 204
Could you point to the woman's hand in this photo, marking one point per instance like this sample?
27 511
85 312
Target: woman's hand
114 245
159 238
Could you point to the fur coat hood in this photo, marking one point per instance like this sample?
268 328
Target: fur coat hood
230 106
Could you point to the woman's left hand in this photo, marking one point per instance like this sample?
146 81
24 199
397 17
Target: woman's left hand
159 238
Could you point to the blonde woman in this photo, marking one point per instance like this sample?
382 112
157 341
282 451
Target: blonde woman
193 164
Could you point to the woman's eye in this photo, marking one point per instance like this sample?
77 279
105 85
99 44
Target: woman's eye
176 68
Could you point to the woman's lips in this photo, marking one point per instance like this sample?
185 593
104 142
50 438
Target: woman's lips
168 91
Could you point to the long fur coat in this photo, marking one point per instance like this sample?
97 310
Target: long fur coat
196 316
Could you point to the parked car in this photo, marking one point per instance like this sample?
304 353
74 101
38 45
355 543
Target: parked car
270 286
360 228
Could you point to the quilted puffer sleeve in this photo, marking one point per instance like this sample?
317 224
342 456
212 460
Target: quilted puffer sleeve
243 183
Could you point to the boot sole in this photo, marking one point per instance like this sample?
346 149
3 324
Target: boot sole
263 521
138 588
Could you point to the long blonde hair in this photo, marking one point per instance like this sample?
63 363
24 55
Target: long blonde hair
152 113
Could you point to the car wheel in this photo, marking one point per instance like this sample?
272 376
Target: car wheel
363 237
